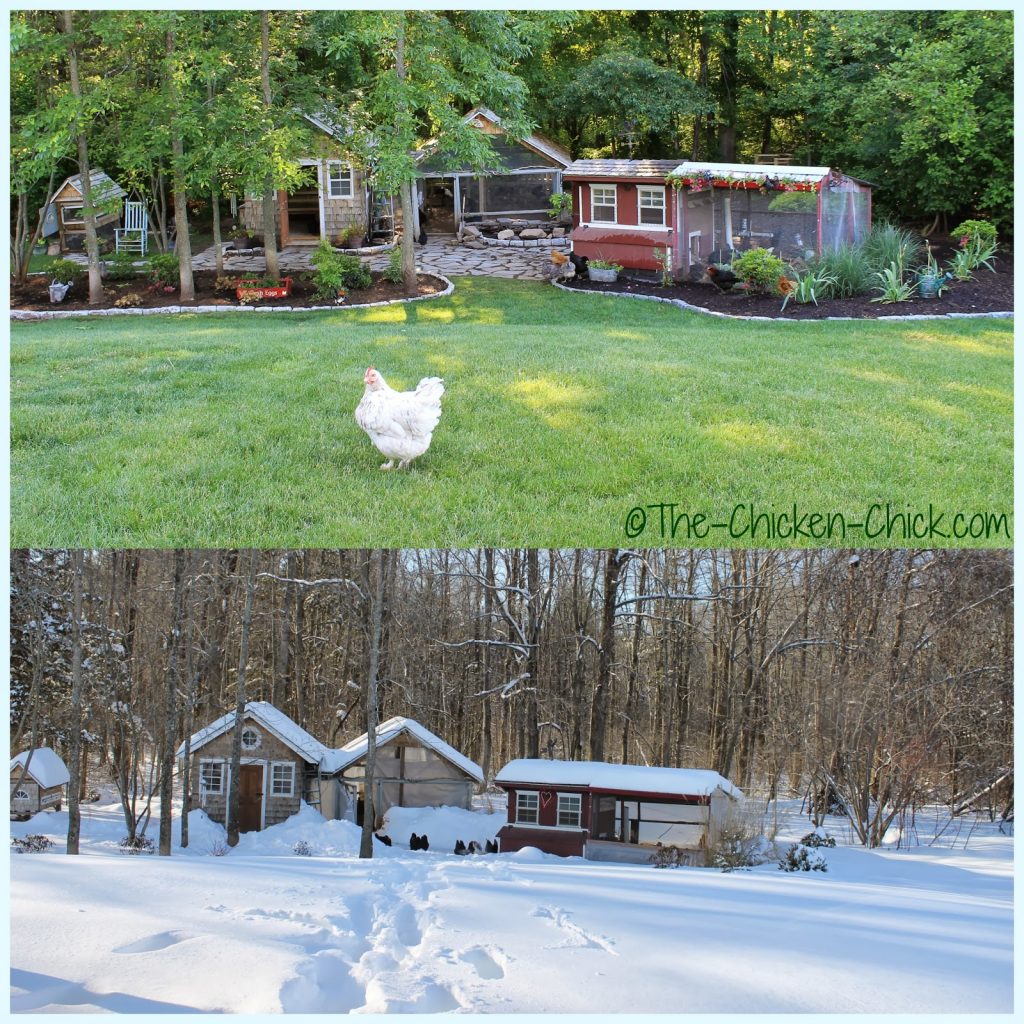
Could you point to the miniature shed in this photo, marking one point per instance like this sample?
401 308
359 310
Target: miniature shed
527 172
413 768
612 811
623 209
280 767
38 778
68 202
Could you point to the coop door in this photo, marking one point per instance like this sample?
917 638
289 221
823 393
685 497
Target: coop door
250 798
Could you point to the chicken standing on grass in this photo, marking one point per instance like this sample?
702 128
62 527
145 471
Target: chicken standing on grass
399 423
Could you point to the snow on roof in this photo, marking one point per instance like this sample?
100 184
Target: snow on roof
620 168
46 767
621 778
272 719
387 731
750 170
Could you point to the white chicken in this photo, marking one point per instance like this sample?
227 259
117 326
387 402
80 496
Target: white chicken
399 423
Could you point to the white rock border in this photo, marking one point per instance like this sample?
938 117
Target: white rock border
787 320
67 314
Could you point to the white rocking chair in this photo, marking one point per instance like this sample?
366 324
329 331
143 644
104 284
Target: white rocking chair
133 236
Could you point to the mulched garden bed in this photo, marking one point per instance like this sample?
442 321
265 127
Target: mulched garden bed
35 294
988 293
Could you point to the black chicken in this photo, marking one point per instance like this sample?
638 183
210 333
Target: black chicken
721 277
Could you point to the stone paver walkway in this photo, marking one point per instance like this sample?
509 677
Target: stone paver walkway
444 255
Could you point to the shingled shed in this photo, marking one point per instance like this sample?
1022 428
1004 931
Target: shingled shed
615 812
414 768
41 784
280 767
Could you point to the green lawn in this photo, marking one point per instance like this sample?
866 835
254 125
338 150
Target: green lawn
563 413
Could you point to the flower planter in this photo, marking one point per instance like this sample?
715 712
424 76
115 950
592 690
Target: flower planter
253 291
604 275
58 291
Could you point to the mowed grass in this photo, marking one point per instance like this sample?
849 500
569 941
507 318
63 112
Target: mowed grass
562 414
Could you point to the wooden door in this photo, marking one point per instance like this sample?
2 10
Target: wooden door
250 798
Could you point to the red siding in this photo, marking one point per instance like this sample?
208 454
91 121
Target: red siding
561 842
632 249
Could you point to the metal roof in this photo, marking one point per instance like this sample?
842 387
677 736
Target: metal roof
101 185
689 167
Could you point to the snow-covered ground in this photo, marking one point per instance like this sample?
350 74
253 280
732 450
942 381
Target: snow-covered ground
262 930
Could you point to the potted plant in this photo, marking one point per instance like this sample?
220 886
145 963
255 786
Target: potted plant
603 270
351 237
931 280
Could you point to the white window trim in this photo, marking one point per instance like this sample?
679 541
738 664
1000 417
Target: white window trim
614 204
536 797
21 795
664 205
223 776
291 786
330 164
579 800
256 733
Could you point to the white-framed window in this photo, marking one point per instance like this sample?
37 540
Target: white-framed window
527 808
72 214
250 738
602 204
651 205
21 795
282 778
570 810
211 776
339 180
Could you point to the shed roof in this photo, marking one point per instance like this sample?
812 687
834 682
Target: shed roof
619 778
46 768
355 749
102 187
272 719
620 168
538 143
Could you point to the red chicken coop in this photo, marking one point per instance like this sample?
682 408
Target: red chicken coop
632 211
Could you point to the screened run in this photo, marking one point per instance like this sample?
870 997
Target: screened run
647 822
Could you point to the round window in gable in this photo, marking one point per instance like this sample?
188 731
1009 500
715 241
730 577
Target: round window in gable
21 795
250 739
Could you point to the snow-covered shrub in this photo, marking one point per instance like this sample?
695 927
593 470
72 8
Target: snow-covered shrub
799 858
138 844
667 857
817 838
739 843
218 848
302 849
31 844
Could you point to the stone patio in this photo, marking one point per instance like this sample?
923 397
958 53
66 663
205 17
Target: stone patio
443 255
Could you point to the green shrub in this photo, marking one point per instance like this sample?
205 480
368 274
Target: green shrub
605 265
797 858
66 271
121 267
893 288
976 231
162 269
393 271
335 271
848 267
887 244
761 269
31 844
808 287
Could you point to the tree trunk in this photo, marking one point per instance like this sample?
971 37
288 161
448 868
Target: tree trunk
614 561
182 242
170 716
75 768
269 195
92 248
376 571
240 700
408 215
